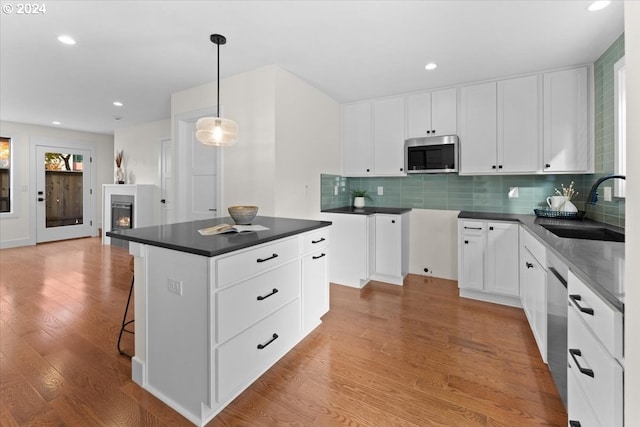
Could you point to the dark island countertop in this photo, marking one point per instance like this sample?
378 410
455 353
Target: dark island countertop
599 264
367 210
184 236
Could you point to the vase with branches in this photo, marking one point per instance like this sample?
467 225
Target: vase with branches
119 172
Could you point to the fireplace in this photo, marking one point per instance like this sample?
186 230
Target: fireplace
121 216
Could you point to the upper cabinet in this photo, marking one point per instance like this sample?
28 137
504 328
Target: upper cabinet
388 136
478 129
565 121
357 139
432 113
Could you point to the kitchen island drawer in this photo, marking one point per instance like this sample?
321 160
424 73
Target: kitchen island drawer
599 375
603 320
245 264
315 240
242 359
241 305
579 410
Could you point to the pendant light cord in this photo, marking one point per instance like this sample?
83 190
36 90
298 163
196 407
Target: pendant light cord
218 80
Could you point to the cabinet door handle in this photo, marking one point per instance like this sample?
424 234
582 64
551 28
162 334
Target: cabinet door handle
263 297
273 338
575 352
499 166
528 264
368 170
267 259
573 423
575 299
491 228
428 132
547 165
433 131
318 241
319 256
493 166
393 221
466 242
473 228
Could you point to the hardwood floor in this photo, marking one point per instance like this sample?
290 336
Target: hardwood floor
385 355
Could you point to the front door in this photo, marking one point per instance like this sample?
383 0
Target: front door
63 193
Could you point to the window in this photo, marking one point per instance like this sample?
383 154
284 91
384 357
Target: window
620 118
5 175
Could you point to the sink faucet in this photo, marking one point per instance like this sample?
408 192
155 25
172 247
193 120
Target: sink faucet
592 198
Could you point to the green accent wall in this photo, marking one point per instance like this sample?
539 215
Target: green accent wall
491 193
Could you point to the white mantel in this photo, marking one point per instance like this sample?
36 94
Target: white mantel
144 198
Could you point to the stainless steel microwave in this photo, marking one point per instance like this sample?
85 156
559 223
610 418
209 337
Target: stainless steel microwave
431 154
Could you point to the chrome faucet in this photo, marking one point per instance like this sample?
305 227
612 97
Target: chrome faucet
592 198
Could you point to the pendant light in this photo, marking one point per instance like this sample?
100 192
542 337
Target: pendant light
217 131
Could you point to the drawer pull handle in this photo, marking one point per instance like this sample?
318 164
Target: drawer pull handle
319 256
528 264
473 228
575 299
573 423
318 241
263 297
273 338
575 352
267 259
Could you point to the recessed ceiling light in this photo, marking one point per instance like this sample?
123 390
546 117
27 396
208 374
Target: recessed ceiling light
597 5
57 123
431 66
66 40
118 103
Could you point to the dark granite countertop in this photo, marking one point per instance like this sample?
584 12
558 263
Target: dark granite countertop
184 236
367 210
599 264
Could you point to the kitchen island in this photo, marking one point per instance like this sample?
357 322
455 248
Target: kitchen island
213 313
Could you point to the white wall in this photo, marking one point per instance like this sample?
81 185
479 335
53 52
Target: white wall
632 229
16 230
433 243
282 120
141 145
307 144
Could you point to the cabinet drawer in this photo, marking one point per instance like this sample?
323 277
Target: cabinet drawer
599 375
536 248
239 306
256 260
470 228
315 240
579 407
604 321
256 349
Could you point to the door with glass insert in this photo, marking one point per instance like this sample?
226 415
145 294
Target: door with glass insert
63 193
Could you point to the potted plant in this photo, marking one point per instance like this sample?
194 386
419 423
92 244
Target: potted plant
358 198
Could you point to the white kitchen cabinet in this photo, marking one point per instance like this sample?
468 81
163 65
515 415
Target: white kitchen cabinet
595 359
533 282
519 122
502 258
388 136
488 261
500 127
566 136
315 278
432 113
391 263
478 129
357 139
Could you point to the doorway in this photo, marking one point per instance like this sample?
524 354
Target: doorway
64 195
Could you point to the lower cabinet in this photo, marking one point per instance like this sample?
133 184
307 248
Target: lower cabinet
488 261
368 247
315 279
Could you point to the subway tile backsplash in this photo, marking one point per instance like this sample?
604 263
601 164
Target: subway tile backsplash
491 193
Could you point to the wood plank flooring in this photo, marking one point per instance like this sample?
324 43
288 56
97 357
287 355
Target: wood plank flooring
385 355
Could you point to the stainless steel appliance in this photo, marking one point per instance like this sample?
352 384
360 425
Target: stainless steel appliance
431 154
557 306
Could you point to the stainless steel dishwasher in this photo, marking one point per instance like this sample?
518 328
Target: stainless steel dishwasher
557 306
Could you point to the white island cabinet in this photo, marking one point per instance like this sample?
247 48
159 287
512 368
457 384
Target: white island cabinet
213 313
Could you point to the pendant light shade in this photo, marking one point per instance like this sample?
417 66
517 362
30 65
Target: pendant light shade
217 131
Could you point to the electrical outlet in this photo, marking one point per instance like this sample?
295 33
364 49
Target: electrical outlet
607 194
380 191
174 286
335 190
514 192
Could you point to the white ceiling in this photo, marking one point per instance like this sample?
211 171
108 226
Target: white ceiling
139 52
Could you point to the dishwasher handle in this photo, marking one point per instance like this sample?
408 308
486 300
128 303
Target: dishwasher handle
558 276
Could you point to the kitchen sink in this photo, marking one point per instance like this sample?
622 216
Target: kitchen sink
588 233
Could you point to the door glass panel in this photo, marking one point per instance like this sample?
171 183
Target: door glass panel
5 175
64 192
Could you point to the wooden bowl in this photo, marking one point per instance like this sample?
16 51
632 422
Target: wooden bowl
243 215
